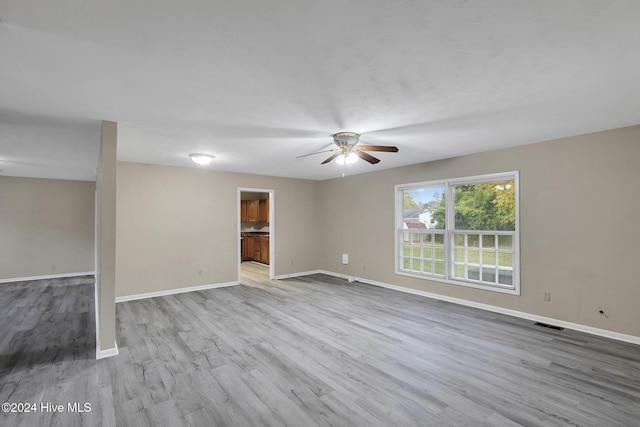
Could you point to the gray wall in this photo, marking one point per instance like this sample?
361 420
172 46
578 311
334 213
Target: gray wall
177 227
579 226
46 227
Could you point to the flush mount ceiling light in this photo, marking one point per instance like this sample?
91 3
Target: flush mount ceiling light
201 158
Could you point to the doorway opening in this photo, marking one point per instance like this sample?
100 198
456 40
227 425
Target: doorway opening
256 235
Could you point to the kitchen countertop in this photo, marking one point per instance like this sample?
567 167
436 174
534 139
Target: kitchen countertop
254 233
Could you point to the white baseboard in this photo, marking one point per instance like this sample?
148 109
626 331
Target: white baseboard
48 276
109 352
523 315
173 291
302 273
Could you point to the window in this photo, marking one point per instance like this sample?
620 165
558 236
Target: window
462 231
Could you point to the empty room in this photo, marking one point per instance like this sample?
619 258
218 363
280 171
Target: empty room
295 213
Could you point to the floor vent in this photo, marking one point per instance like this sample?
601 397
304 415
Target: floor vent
544 325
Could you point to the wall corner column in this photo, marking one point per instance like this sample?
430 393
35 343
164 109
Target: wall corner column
106 242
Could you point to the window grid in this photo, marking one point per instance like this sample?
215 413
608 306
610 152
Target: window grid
420 248
498 273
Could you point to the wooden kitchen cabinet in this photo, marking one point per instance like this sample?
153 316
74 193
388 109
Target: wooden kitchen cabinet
264 250
243 210
255 248
263 210
248 248
254 210
253 207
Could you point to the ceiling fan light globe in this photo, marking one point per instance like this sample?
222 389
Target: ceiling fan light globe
347 159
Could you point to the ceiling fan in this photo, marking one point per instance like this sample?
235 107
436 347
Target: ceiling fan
349 149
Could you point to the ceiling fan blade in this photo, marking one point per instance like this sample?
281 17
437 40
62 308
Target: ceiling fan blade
386 148
317 152
368 157
333 156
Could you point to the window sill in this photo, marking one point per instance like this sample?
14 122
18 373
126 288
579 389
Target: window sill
504 290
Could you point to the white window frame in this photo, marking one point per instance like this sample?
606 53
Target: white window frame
450 230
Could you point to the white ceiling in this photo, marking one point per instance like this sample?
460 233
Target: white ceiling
258 83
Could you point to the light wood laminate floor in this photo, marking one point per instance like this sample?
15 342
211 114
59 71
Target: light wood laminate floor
304 352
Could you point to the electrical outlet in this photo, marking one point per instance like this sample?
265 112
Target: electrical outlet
547 296
345 259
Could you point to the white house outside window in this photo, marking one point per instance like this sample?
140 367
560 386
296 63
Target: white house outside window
462 231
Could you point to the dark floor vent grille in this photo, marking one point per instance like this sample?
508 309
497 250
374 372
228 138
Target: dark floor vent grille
557 328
